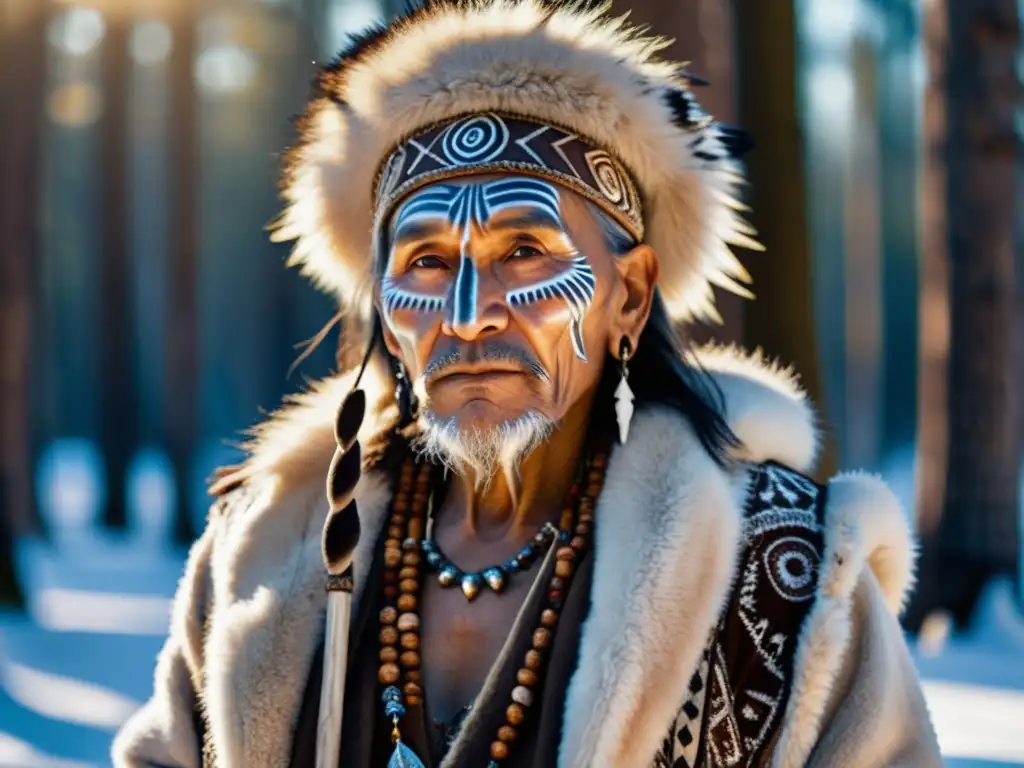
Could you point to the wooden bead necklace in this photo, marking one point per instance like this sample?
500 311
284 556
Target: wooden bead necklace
399 671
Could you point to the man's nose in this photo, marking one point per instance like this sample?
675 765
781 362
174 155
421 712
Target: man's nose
477 305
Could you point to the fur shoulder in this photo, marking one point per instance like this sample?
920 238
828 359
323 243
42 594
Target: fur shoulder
764 405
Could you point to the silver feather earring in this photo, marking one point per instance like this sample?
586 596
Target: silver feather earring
623 394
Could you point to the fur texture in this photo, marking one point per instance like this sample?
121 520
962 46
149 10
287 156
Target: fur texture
594 75
666 546
864 526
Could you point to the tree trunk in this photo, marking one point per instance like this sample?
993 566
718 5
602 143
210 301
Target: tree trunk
119 414
933 318
182 306
781 318
703 35
22 69
978 534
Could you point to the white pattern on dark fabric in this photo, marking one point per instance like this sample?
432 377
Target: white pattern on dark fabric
751 655
682 744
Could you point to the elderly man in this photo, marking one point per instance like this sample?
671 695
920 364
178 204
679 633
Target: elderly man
580 546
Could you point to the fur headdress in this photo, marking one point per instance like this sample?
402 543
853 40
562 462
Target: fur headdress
593 77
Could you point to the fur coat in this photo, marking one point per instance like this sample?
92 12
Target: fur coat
248 614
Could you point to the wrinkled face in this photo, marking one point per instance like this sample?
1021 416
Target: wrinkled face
500 296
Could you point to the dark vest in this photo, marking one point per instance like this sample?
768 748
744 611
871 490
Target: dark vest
738 696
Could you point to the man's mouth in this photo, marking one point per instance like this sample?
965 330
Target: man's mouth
478 373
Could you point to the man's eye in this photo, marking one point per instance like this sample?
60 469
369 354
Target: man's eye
524 252
428 262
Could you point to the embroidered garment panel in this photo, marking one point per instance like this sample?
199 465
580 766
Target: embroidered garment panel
738 695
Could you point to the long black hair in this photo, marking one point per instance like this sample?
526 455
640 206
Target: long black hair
660 375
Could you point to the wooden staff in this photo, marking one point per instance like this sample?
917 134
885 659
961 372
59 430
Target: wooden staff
341 534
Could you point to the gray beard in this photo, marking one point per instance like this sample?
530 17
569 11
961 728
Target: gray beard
483 452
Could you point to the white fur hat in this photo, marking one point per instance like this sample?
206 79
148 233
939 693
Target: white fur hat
580 69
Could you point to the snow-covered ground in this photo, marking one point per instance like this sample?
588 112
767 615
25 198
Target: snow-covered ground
80 659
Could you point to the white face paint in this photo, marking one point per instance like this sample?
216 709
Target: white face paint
468 206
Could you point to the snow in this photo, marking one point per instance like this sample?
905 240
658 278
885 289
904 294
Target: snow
80 659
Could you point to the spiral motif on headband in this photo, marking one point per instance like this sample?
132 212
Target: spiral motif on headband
608 178
477 139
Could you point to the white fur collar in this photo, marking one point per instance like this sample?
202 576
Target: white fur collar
667 538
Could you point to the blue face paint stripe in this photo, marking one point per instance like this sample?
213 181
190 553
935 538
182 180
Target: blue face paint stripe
464 304
394 299
575 286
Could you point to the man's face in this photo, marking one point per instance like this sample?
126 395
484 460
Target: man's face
499 295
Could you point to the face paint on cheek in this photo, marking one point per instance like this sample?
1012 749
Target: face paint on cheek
394 298
575 287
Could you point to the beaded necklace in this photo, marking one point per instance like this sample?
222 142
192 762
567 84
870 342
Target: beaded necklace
400 672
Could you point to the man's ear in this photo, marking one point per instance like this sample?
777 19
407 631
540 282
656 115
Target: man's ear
639 271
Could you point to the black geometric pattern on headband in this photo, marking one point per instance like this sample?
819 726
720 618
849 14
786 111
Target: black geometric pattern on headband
491 141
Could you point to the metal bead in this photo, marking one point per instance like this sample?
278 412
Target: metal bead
448 575
495 579
434 559
471 585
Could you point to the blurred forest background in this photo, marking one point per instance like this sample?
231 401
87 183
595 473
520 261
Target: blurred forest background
146 320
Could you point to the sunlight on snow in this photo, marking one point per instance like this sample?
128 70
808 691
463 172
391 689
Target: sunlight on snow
73 610
64 698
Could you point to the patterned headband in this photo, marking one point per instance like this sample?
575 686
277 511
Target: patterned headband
496 143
